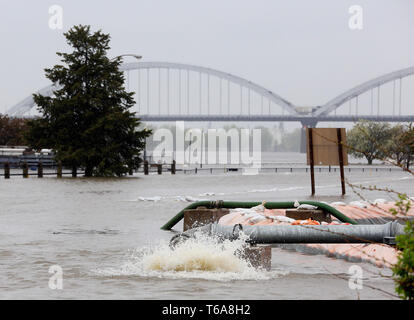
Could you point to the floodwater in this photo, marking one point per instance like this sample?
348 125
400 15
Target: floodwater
105 236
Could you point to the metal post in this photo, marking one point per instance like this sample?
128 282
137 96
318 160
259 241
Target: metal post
59 170
148 90
40 170
146 167
248 97
159 90
341 159
228 97
139 90
393 99
179 91
311 160
6 170
202 147
74 171
188 92
241 99
399 112
25 170
372 102
208 94
173 164
199 92
378 112
262 105
221 96
356 105
168 91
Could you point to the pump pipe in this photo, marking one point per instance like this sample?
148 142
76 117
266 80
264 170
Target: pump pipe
297 234
311 234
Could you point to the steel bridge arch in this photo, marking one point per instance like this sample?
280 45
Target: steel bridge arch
28 103
360 89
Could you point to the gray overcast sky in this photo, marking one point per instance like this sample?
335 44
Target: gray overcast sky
303 50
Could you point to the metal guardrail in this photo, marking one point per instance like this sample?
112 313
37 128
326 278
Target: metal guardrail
31 160
195 170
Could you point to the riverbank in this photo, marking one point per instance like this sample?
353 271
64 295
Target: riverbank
98 229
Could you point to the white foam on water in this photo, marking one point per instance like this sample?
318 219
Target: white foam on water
405 178
188 198
193 199
199 258
206 194
155 199
176 198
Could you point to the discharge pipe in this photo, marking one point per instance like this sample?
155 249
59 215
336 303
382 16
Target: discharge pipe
298 233
311 234
269 205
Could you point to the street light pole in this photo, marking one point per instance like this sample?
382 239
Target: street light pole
136 56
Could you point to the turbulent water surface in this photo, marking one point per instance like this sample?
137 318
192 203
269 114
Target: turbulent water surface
105 235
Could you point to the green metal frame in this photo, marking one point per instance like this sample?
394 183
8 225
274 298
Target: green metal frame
269 205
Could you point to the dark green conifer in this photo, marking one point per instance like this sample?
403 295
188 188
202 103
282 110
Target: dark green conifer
87 121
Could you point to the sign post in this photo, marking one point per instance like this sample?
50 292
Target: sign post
341 159
326 147
311 160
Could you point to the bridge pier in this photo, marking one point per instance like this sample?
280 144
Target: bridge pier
308 123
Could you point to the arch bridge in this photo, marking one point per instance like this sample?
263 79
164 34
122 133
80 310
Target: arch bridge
166 91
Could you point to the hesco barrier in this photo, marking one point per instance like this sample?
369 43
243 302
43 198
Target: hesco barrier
269 205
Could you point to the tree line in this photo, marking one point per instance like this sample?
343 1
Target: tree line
12 131
380 140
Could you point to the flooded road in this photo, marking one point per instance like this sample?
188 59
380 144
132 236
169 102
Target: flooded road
105 233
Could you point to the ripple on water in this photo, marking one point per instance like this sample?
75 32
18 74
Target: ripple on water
86 231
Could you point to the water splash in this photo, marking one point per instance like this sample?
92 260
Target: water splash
197 258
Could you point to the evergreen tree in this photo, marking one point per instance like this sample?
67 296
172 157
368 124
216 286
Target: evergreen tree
87 121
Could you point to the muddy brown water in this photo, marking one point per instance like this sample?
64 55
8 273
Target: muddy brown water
103 233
